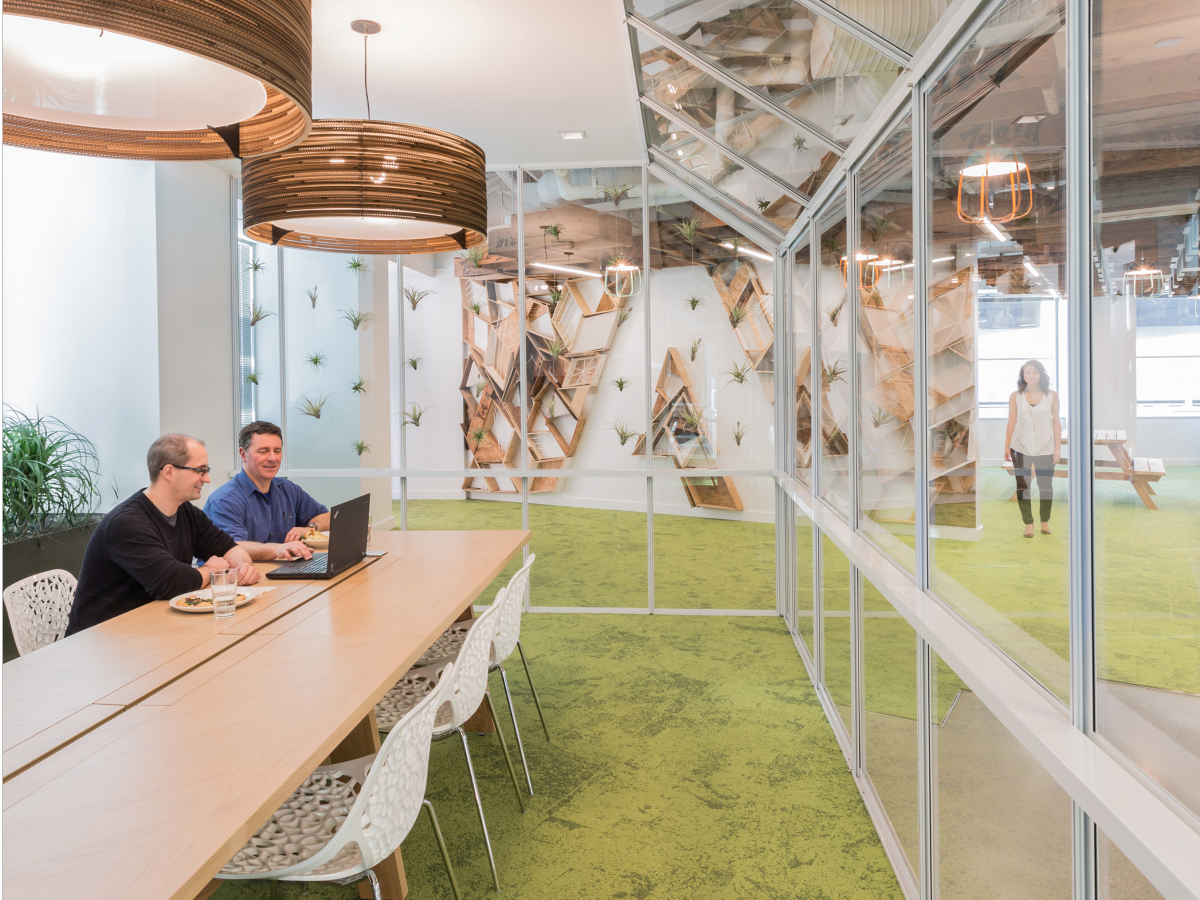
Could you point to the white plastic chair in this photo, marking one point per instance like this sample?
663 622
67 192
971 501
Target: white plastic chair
506 638
39 607
348 817
465 682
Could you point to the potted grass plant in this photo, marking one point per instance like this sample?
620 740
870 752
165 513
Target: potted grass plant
52 494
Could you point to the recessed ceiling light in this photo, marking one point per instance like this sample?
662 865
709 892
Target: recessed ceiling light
1167 42
573 135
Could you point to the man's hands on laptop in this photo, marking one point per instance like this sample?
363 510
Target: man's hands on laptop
294 549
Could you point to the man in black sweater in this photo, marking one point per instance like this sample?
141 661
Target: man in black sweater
142 550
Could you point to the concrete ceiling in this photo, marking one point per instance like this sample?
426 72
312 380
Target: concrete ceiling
508 76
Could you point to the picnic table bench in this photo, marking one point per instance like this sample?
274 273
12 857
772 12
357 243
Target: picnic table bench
1140 471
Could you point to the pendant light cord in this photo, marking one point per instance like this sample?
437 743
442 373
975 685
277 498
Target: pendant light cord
366 91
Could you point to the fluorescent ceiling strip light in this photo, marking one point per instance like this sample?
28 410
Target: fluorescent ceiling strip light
567 269
943 259
1000 235
1032 269
755 253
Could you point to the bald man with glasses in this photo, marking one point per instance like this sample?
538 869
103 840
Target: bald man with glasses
143 549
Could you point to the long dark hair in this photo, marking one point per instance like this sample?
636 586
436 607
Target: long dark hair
1043 381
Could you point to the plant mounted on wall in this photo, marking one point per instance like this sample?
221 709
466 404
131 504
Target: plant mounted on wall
357 265
476 308
359 385
414 361
729 168
51 476
480 387
317 360
414 296
623 316
361 447
252 378
624 432
737 316
412 415
881 417
556 349
255 265
878 225
834 311
356 318
733 245
555 297
478 436
737 373
257 313
692 416
832 373
550 410
614 193
475 256
621 383
551 231
312 406
694 302
832 244
762 203
696 347
738 433
312 296
799 142
689 230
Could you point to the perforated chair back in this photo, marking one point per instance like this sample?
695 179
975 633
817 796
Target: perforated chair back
471 668
386 791
38 608
508 618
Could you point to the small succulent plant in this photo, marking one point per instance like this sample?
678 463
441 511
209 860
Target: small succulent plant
832 372
255 265
881 417
554 231
357 265
476 308
480 387
312 296
356 318
834 311
615 193
692 416
555 297
412 415
696 347
799 142
476 256
737 316
257 313
689 229
359 386
623 316
312 406
252 378
621 383
415 296
361 447
556 349
414 361
729 167
624 432
694 302
317 360
738 433
762 203
737 374
478 436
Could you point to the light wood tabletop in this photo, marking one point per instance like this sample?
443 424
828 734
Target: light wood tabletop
151 803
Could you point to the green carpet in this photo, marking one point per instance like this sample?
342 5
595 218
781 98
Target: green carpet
690 759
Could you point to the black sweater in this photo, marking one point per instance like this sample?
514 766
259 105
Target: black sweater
135 556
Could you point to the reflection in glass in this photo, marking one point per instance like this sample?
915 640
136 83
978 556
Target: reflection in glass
904 24
802 334
1116 877
1145 384
1001 97
835 360
890 714
1003 824
804 580
835 619
883 270
706 559
503 514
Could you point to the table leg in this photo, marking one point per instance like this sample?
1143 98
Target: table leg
1141 489
363 740
209 889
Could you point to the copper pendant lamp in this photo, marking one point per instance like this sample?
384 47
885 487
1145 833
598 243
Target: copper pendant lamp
367 186
157 79
1003 191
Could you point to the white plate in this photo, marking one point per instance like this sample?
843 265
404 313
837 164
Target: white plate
319 541
250 594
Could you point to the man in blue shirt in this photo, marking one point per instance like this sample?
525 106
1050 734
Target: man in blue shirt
266 516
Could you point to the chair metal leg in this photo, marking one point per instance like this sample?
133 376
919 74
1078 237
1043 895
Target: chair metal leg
479 806
437 831
504 746
513 712
274 889
374 885
525 663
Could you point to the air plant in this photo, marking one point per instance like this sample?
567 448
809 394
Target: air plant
623 316
738 433
831 242
478 436
729 167
357 318
476 256
799 142
834 311
737 14
692 416
317 360
878 226
620 384
255 266
881 417
556 349
696 347
357 265
737 316
555 231
762 203
555 296
1019 284
480 387
550 410
312 296
735 245
359 385
694 302
415 296
311 406
252 378
361 447
615 193
737 373
257 313
689 229
624 432
412 415
476 308
831 373
414 361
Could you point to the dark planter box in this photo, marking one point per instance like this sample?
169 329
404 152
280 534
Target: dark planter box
58 550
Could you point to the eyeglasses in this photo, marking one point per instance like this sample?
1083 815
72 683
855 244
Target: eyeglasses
202 470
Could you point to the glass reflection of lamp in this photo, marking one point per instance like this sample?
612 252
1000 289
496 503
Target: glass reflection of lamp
1142 279
1001 172
622 278
868 269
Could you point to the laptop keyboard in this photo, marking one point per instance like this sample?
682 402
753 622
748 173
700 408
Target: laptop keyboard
316 565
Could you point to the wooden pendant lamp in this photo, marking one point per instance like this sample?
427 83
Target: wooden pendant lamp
157 79
366 186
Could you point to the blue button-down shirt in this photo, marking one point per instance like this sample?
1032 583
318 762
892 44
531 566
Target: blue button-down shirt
247 514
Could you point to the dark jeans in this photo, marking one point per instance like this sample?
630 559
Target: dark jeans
1044 467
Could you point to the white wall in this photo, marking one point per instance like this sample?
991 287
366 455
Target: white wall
79 301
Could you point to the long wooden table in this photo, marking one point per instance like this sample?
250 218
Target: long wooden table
211 734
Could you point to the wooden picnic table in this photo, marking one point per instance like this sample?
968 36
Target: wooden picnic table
1139 471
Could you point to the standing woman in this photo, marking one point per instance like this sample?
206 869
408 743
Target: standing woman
1033 440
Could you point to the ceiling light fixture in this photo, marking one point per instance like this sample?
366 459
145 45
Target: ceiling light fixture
366 186
158 79
570 271
758 254
1000 178
573 135
1167 42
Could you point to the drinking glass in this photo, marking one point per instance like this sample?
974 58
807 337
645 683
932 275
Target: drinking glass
224 591
370 521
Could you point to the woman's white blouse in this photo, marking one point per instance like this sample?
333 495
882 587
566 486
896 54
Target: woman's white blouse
1034 434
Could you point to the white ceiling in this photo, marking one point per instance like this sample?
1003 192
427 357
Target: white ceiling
507 75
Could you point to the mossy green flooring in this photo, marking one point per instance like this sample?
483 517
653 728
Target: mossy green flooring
690 759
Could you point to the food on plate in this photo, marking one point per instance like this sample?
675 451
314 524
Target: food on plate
197 601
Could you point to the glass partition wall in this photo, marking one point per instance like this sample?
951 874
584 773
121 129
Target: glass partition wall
923 292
